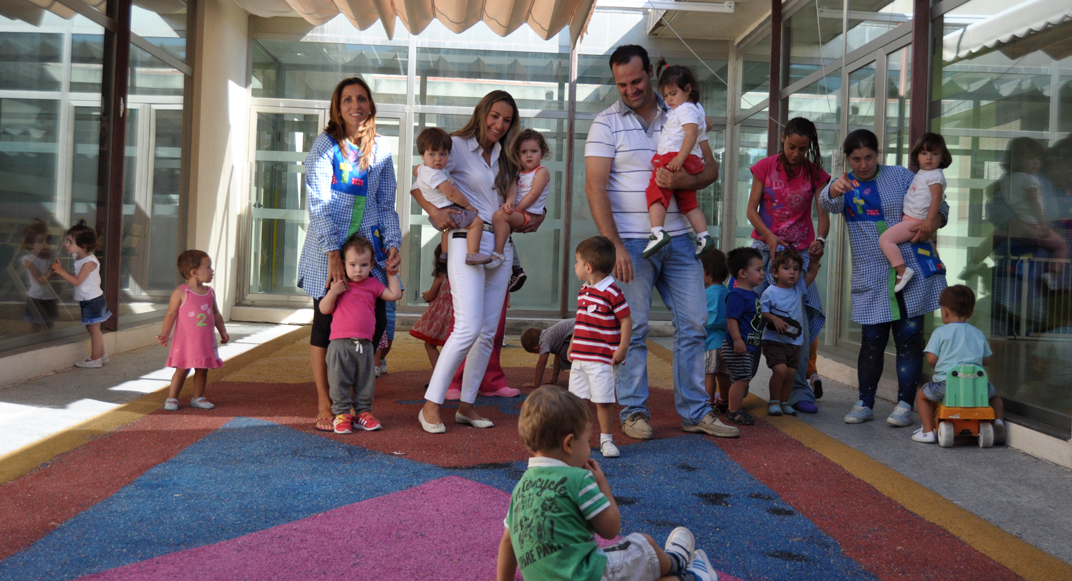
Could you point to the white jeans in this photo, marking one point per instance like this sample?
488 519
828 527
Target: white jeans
478 295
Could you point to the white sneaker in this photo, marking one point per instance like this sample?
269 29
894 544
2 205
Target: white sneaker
701 567
383 367
682 543
925 437
859 413
901 416
202 403
104 358
376 371
171 404
609 450
903 281
89 363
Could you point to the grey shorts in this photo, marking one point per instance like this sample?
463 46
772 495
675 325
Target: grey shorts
778 353
631 559
463 220
713 362
935 390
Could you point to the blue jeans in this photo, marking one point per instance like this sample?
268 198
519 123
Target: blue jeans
908 338
678 276
801 389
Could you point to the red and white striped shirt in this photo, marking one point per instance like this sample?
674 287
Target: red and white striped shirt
598 331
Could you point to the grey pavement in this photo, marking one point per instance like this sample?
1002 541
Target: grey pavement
1020 494
35 409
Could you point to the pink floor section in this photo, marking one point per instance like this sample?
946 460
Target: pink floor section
381 538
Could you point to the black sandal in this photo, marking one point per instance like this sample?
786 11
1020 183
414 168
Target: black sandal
741 417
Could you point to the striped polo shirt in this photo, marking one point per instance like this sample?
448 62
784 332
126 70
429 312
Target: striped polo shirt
620 134
598 330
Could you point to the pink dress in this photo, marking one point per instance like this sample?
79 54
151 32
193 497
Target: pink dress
193 346
436 323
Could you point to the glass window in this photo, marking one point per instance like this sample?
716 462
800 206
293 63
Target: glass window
821 103
460 77
813 35
163 24
862 98
898 91
870 19
752 144
292 69
755 74
152 76
1009 191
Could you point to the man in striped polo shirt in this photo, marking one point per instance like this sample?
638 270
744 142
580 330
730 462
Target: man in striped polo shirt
618 153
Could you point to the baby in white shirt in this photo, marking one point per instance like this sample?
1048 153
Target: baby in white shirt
434 144
678 148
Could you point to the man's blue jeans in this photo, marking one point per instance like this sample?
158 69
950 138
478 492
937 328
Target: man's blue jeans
678 276
908 338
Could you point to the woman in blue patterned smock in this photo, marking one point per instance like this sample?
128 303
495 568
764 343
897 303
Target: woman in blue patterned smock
870 197
350 180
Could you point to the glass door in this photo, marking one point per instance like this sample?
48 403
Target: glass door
279 212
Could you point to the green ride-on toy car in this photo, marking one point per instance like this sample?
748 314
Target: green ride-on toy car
966 410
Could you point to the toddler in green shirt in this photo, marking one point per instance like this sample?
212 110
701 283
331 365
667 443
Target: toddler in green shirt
563 498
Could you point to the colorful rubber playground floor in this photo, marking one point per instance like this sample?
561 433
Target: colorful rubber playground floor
250 490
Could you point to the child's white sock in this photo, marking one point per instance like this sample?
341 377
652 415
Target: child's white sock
702 235
656 231
606 438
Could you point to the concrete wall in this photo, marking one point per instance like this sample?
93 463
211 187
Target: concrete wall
218 164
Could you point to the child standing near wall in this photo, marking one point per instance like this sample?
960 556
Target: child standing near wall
81 241
744 325
782 305
193 313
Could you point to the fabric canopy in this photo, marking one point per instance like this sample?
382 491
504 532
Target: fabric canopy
546 17
1015 32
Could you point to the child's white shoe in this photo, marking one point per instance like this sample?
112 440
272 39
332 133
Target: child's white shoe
171 404
902 281
200 402
609 450
701 567
497 260
924 437
89 363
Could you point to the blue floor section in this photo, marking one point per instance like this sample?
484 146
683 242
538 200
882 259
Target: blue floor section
251 475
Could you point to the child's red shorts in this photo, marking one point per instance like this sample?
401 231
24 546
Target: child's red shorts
686 199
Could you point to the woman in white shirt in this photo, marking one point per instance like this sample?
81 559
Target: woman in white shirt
483 172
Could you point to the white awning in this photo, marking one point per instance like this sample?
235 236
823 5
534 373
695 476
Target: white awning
1003 31
546 17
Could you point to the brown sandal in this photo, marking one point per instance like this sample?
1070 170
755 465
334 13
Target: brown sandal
325 424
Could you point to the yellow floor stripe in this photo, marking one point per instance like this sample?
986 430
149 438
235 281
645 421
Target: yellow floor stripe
19 462
1020 557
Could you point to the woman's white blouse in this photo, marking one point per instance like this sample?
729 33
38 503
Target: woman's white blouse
474 176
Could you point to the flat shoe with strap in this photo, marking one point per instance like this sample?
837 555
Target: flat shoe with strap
431 428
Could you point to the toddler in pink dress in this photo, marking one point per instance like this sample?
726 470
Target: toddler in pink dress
192 312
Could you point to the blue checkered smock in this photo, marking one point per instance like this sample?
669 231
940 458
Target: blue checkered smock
329 214
873 279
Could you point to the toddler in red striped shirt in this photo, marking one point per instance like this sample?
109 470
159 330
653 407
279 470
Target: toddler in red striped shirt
600 335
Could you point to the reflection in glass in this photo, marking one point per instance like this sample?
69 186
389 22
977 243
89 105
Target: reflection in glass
898 90
310 70
460 77
870 19
162 23
755 74
862 98
813 35
152 76
752 144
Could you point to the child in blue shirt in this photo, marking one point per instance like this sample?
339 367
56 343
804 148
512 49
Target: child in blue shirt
715 274
783 309
740 351
955 343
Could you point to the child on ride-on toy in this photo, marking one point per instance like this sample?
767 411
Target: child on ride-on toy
955 343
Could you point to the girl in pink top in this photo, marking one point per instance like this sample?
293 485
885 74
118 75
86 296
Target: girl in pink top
193 307
784 191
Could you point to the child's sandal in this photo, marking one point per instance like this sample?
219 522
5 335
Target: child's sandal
741 417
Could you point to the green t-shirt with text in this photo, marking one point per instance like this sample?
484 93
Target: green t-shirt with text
548 521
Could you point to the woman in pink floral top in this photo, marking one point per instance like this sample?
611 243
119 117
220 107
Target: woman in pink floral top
785 187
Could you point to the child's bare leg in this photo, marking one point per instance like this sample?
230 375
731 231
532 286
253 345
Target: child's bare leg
96 341
1055 244
605 414
787 384
200 379
433 353
473 233
737 391
710 386
696 220
999 408
777 379
657 212
925 407
723 382
177 379
504 224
